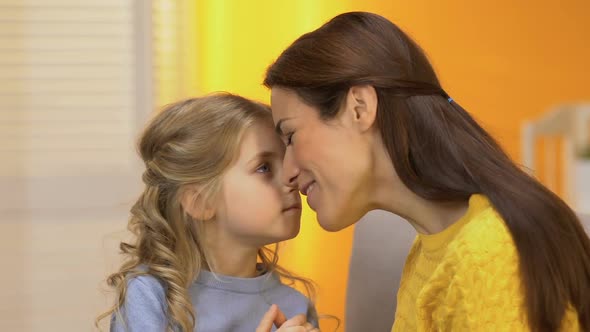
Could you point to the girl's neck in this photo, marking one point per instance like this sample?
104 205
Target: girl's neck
228 257
230 263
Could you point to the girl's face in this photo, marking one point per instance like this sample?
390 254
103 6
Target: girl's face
329 161
255 208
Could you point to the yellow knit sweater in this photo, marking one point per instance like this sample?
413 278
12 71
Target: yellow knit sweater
465 278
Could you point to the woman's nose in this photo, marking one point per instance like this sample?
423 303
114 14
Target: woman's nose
290 170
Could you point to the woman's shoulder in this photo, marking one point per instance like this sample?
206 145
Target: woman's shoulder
485 237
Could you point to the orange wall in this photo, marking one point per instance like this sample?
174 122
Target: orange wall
504 61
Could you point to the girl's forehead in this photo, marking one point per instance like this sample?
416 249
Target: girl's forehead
260 138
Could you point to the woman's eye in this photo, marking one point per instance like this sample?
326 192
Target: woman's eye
289 139
264 168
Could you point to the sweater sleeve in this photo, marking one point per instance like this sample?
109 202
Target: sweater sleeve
487 295
144 308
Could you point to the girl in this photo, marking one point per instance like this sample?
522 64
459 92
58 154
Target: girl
213 200
368 126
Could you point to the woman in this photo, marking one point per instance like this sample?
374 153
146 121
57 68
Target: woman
368 126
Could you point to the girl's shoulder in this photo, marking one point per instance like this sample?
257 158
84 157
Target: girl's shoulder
293 302
285 290
145 285
144 306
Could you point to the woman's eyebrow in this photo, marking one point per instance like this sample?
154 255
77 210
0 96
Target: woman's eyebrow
278 128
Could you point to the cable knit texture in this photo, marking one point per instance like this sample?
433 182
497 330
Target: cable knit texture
465 278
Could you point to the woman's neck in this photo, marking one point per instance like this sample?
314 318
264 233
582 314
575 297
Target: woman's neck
391 194
432 217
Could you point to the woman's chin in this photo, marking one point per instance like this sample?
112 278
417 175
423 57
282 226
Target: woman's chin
337 219
332 223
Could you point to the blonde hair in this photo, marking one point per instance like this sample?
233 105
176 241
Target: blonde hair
191 142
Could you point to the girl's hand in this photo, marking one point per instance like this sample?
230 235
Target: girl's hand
275 316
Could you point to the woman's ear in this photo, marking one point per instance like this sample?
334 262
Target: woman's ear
361 102
195 204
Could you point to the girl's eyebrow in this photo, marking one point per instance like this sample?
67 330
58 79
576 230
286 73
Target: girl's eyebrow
263 155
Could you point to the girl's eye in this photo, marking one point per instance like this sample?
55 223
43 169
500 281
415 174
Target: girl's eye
289 139
264 168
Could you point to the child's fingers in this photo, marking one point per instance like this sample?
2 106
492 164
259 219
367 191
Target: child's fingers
298 320
268 319
298 329
310 328
275 316
280 318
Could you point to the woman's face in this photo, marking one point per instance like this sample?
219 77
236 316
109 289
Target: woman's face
330 161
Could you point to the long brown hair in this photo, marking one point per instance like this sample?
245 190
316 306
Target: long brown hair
190 142
441 153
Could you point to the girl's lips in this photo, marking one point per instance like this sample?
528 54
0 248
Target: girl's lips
296 206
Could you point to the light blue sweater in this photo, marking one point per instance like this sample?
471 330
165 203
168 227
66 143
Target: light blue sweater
221 303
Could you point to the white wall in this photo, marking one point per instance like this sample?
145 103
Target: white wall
75 88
